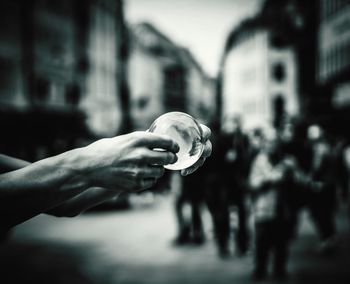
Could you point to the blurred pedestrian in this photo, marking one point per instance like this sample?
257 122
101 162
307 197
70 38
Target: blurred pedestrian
216 192
228 184
273 210
191 197
238 160
323 199
341 170
316 178
188 206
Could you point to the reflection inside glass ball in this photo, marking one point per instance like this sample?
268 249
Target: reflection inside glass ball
185 130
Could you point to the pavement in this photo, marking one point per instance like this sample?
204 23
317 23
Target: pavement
135 246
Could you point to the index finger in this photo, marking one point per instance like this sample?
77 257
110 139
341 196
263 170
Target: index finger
154 141
206 132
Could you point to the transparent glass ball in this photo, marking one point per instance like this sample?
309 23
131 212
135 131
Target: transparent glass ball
188 134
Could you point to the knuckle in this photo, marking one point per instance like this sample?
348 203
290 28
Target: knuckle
134 172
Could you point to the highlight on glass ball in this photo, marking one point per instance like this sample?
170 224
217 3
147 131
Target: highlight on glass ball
186 131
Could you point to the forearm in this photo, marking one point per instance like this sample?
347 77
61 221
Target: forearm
38 187
72 207
80 203
126 162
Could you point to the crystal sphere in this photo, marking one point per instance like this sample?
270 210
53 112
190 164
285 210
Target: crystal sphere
184 130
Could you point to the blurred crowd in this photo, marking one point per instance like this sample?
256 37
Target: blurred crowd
255 186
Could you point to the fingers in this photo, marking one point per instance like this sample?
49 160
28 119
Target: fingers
193 168
207 150
206 153
187 171
147 183
150 177
154 141
157 157
206 132
153 172
143 178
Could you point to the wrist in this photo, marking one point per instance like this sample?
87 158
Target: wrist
69 167
82 162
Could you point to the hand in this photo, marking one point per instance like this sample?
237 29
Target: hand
206 152
127 162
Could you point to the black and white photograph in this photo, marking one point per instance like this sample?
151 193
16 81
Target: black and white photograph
174 141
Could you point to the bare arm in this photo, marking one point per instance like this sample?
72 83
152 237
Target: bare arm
82 202
126 163
95 196
72 207
38 187
59 185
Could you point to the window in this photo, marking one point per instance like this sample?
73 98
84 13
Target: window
42 89
278 72
7 75
72 94
142 102
174 87
278 110
278 41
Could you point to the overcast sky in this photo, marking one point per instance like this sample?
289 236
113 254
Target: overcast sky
200 25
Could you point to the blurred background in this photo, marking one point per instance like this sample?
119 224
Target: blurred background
75 71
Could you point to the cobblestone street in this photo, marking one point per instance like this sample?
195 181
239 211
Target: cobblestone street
134 246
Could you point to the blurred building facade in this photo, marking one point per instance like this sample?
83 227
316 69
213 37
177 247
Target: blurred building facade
164 77
60 62
333 64
200 99
258 75
101 101
289 30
